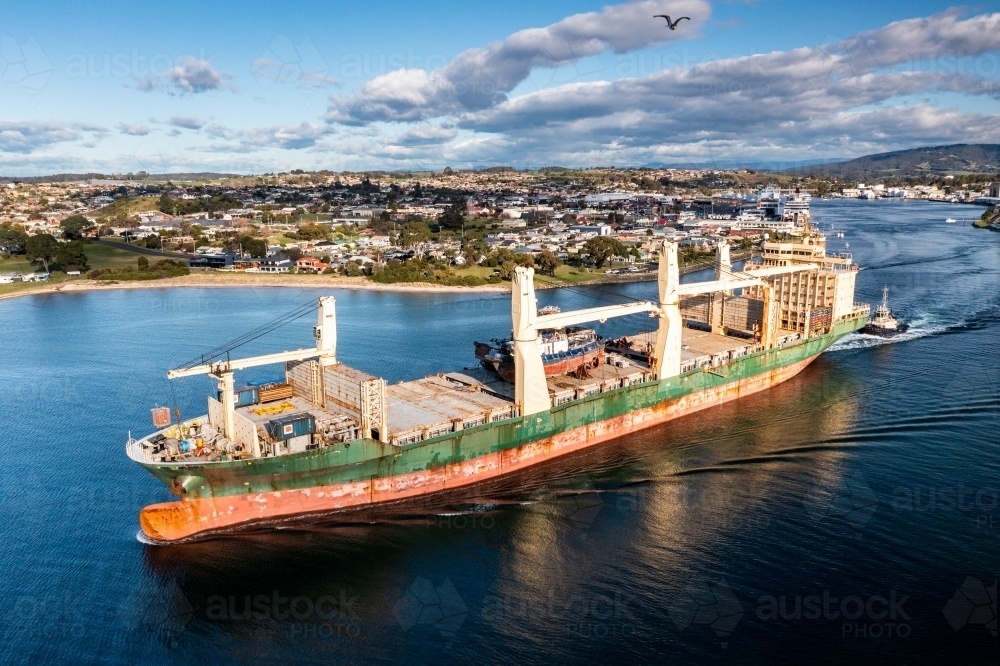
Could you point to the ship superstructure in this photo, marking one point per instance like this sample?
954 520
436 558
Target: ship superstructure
811 300
333 438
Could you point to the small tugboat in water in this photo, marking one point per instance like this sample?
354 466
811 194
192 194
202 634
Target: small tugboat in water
884 324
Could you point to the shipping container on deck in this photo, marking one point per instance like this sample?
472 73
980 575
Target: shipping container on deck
244 396
161 417
293 425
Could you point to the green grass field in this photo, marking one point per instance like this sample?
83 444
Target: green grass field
564 274
102 256
474 271
131 206
98 256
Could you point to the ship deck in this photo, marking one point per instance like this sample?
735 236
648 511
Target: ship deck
425 408
264 412
416 404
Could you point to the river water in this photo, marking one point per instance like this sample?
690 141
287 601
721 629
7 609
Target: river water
848 512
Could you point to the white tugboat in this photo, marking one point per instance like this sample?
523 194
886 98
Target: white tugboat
884 324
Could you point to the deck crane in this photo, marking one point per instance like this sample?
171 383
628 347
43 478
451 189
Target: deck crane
325 351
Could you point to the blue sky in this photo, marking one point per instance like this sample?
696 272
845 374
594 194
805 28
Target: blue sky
252 87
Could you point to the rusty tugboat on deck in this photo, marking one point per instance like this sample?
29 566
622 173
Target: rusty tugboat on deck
565 351
332 438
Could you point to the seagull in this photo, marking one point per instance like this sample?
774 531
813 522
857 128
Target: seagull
671 24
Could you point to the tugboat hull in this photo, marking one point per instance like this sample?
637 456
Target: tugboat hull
885 332
577 359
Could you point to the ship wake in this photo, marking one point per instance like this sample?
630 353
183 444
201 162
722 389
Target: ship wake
920 328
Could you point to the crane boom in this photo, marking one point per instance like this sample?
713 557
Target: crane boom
563 319
325 333
223 366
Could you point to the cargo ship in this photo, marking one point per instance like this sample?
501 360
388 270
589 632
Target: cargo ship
332 438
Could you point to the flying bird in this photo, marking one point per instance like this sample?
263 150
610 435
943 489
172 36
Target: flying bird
671 24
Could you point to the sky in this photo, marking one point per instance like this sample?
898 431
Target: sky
253 87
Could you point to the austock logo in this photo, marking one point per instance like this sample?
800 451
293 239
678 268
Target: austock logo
24 64
574 501
439 606
162 610
712 604
852 501
284 62
973 604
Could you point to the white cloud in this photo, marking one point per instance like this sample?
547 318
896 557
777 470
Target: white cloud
195 76
763 100
293 137
288 137
188 75
133 130
186 122
480 78
27 136
423 135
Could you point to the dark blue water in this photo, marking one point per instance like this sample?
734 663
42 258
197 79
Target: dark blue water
850 512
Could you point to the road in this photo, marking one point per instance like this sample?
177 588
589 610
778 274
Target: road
138 249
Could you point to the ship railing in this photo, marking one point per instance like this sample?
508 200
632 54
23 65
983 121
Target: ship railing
136 451
859 310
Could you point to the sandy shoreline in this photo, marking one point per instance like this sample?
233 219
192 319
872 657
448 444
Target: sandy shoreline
303 281
248 280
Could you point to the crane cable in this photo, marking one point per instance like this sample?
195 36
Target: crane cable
252 335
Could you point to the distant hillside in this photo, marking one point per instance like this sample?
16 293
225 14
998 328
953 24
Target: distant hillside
734 163
153 177
935 160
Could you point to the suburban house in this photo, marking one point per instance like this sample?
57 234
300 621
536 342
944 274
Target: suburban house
275 265
311 264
